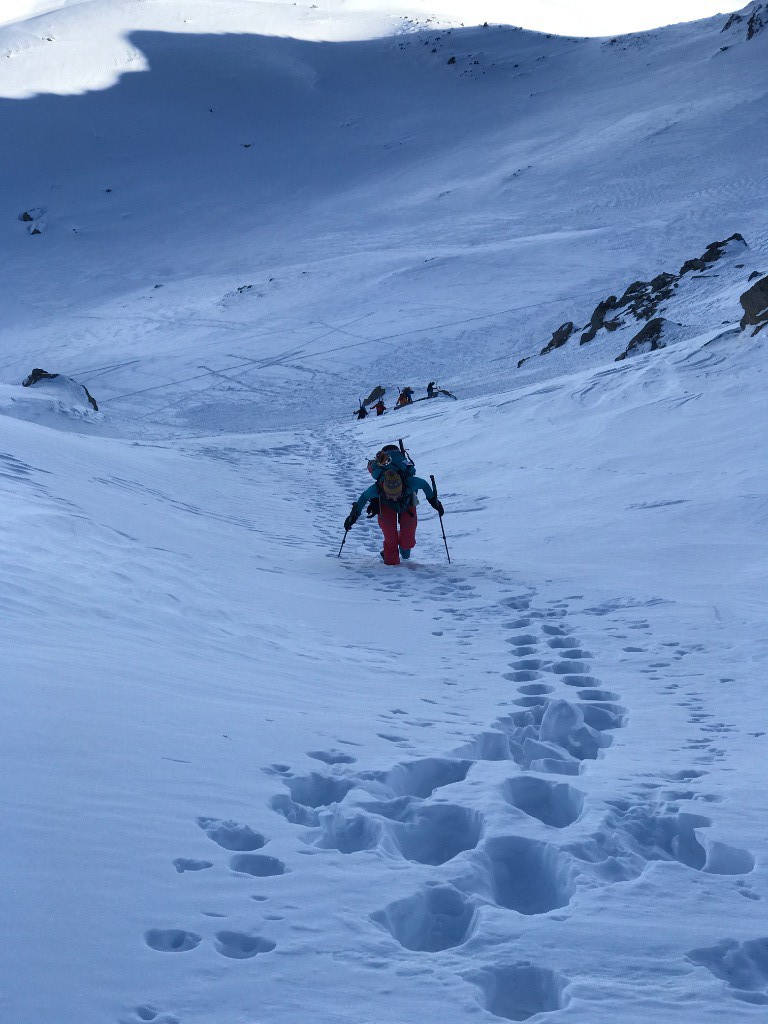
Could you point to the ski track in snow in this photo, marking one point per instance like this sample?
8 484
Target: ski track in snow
470 868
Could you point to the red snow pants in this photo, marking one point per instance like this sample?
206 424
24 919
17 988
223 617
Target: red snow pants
394 538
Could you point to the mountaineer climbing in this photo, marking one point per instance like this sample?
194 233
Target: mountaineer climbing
393 498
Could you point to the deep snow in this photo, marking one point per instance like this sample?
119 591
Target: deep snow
247 780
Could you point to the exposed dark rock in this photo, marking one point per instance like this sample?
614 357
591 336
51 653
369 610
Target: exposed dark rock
597 318
755 304
634 289
711 254
521 361
643 300
664 283
32 213
559 337
648 339
451 60
38 375
753 275
757 20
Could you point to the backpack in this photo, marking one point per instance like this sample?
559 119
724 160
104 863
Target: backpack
392 469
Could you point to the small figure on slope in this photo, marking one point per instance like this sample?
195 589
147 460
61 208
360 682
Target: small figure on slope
404 398
362 412
392 497
380 407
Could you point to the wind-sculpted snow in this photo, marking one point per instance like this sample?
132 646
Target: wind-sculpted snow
742 965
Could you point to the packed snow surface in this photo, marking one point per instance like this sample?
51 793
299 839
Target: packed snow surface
246 780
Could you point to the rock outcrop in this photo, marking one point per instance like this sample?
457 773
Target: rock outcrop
712 253
755 15
559 338
644 301
598 319
754 302
38 375
649 338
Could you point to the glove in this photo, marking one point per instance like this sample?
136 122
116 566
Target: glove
373 508
437 505
351 519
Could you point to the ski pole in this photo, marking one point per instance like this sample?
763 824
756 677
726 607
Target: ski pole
342 544
434 488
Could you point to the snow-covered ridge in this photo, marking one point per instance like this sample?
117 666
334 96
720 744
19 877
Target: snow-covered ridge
73 46
445 207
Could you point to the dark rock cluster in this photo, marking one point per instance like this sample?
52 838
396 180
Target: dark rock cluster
711 254
647 339
559 338
642 300
754 301
756 17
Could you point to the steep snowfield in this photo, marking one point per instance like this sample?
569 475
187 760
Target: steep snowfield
246 780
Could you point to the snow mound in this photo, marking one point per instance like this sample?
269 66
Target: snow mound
47 400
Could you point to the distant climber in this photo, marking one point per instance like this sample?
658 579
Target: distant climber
362 412
404 398
433 391
380 407
393 498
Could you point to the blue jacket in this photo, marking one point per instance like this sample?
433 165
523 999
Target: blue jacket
415 483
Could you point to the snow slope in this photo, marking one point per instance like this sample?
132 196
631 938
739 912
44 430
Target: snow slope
248 780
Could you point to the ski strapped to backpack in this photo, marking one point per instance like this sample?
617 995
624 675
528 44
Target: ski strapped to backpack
391 469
